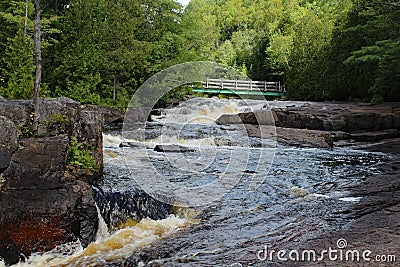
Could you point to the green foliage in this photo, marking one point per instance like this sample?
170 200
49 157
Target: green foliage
364 55
57 119
18 68
310 42
16 40
201 32
16 59
81 156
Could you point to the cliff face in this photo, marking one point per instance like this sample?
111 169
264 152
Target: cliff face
45 175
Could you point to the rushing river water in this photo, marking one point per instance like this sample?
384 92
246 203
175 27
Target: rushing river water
280 196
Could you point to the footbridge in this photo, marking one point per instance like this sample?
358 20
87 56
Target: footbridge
241 87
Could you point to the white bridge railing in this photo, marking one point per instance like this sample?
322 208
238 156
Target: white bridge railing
263 86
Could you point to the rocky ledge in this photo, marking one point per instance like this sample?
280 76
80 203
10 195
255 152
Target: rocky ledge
322 124
45 175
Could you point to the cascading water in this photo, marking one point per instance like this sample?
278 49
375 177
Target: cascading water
291 198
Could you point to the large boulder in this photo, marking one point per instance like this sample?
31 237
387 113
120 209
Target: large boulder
356 122
88 131
258 117
58 116
298 117
18 111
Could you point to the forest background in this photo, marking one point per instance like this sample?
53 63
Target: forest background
101 51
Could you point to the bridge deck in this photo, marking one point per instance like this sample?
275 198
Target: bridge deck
240 87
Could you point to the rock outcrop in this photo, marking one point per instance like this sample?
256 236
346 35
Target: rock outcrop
339 117
299 125
45 175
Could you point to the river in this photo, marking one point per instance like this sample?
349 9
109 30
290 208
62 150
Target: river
268 194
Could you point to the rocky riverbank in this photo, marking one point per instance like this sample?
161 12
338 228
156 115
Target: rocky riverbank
322 124
374 225
45 175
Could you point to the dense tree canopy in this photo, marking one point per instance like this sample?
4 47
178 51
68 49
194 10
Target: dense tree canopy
100 51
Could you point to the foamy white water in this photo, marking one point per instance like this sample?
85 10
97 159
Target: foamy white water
208 110
102 231
120 244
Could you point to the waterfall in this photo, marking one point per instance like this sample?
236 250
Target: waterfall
102 231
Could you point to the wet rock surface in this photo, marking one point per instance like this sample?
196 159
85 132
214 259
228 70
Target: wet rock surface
292 136
346 117
375 223
118 207
391 146
45 195
372 223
